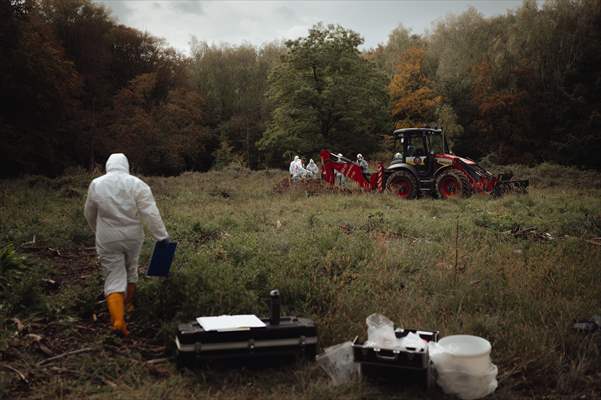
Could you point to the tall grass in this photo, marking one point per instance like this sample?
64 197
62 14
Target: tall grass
337 258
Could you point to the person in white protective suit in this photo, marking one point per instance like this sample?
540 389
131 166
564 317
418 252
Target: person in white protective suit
363 164
312 169
297 171
304 173
292 167
339 176
117 205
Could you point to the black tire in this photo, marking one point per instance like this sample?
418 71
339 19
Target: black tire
453 183
402 184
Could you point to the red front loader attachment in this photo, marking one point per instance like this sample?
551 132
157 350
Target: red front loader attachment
483 181
330 163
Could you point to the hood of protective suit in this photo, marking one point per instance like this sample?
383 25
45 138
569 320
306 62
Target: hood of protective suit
117 162
312 167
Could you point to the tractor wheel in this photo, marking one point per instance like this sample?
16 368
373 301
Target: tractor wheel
453 183
402 184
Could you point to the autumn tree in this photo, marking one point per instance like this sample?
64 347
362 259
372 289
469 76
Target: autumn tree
520 83
386 55
521 87
161 129
503 118
413 100
40 94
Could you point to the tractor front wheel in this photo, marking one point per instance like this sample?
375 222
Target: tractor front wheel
452 183
402 184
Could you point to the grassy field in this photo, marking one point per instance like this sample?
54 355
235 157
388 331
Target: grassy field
516 270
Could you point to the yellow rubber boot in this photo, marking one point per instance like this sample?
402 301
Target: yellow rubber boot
116 305
129 298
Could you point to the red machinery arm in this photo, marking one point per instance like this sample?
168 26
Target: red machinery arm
330 163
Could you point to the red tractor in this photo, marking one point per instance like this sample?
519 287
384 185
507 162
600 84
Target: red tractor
424 165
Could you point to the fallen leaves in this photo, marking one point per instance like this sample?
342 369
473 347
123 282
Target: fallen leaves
19 324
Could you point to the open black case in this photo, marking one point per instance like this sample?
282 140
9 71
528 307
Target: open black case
401 366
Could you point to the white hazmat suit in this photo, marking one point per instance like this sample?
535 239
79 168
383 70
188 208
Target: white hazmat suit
339 176
117 205
294 166
297 171
313 169
363 164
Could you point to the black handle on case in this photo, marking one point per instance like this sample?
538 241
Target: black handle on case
275 307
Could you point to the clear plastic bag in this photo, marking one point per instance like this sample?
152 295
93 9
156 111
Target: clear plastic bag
380 332
413 342
338 362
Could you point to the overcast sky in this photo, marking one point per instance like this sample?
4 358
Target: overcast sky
258 22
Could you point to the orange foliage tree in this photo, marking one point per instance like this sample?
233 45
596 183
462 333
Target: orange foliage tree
414 101
503 116
161 129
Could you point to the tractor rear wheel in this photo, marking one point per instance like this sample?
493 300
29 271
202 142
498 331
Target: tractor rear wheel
402 184
453 183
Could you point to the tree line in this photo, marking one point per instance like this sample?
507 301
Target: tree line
76 85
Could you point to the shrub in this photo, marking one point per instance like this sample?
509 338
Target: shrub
20 289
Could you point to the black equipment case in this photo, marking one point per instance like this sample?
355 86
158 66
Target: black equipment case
283 339
396 366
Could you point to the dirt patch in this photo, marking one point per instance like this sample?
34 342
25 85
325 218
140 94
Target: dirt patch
311 187
68 265
52 344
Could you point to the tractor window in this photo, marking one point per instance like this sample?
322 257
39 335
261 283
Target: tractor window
436 144
415 146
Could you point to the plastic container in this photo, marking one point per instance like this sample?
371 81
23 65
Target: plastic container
469 386
466 353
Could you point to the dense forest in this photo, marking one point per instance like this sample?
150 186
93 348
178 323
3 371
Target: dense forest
76 85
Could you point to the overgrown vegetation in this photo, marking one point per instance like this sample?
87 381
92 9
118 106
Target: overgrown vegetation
335 258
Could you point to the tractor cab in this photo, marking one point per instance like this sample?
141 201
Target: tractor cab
417 147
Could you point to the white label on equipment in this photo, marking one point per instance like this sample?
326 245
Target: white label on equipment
230 322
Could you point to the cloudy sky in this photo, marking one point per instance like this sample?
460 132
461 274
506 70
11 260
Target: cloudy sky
259 22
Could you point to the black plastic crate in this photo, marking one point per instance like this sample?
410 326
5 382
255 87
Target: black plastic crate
396 366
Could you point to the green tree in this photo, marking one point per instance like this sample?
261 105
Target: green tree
447 119
386 56
233 80
325 94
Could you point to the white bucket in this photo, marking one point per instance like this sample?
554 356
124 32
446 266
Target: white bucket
470 354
